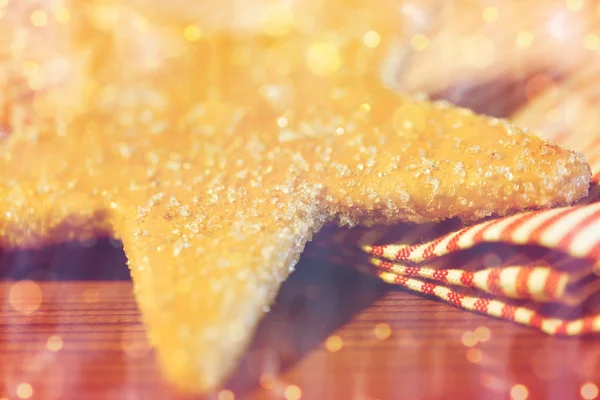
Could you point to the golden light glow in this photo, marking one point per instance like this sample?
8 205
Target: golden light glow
172 333
30 67
519 392
282 122
480 52
277 20
292 392
36 82
574 5
419 42
474 355
39 18
409 117
54 343
105 16
267 381
25 297
62 15
469 339
365 107
3 3
524 39
591 42
24 390
192 33
323 58
226 395
382 331
483 333
334 343
371 39
589 391
490 14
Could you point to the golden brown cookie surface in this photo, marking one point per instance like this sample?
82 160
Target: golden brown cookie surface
216 159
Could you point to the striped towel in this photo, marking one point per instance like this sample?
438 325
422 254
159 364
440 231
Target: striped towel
540 268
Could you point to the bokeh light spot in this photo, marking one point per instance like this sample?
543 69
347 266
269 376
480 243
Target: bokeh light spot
490 14
292 392
192 33
267 381
334 343
483 333
25 297
474 355
277 20
382 331
468 339
371 39
54 343
39 18
589 391
226 395
24 390
323 58
519 392
524 39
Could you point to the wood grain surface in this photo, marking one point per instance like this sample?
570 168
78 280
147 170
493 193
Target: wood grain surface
70 329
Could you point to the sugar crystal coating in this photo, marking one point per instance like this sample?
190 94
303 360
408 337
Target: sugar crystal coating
215 161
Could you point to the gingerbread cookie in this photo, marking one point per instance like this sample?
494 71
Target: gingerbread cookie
216 159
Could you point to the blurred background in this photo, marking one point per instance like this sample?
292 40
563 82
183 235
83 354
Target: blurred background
533 61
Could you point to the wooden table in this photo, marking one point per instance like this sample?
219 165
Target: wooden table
333 334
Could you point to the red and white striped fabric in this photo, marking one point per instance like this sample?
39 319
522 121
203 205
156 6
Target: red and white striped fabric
540 269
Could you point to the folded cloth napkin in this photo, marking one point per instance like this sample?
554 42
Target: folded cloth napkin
539 268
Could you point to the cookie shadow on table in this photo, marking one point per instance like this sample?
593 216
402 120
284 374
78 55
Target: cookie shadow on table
314 302
500 97
94 260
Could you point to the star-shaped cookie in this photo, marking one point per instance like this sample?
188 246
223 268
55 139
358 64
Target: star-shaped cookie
216 159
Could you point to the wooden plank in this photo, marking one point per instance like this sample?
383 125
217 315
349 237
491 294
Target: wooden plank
391 344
